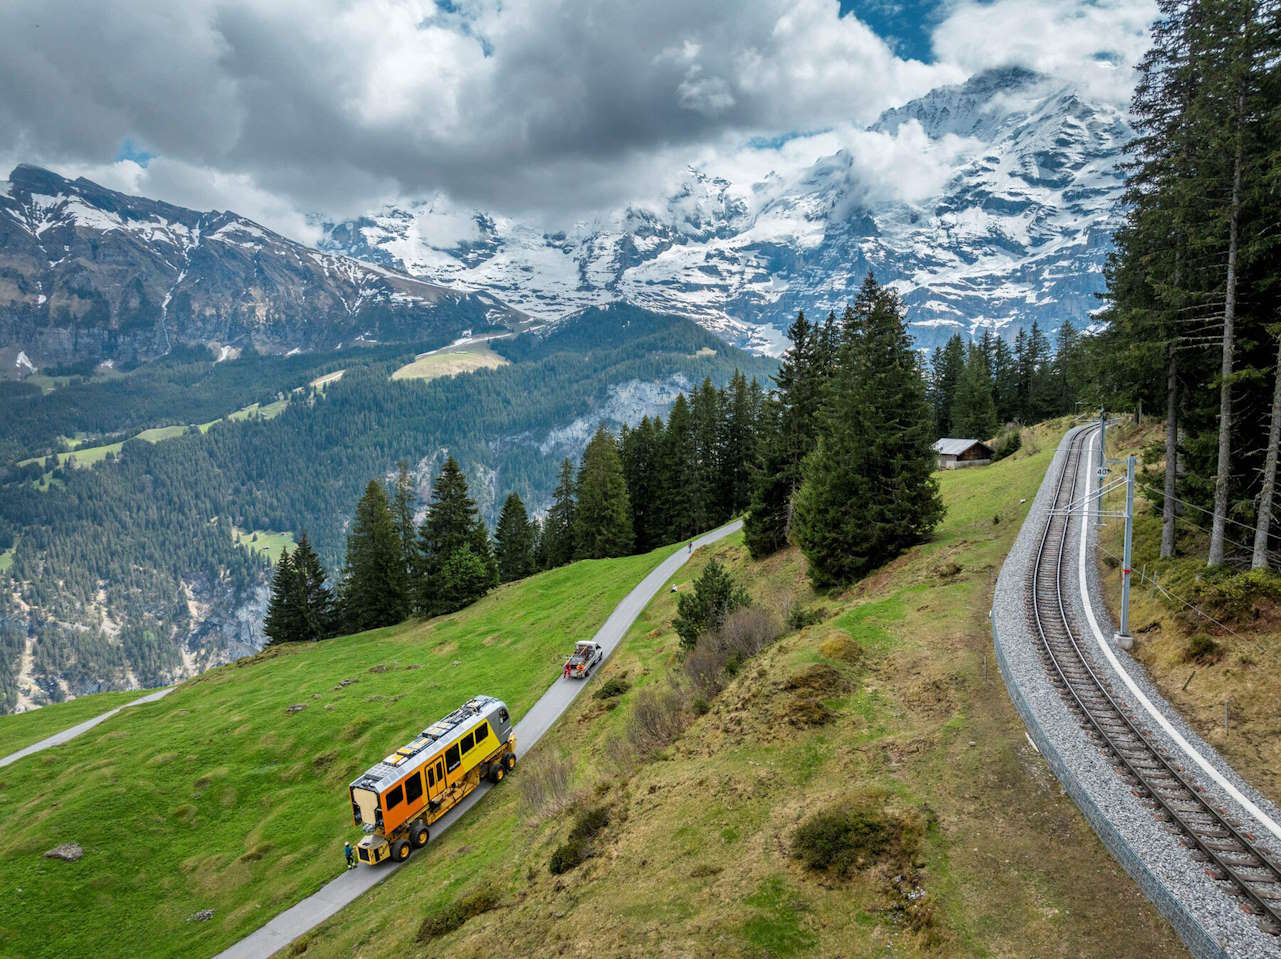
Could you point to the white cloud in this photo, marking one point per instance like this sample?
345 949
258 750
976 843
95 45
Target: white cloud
1093 44
556 109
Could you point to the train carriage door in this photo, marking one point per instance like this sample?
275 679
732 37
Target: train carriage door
436 778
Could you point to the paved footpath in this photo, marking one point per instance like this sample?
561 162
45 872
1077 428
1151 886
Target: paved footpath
354 883
58 738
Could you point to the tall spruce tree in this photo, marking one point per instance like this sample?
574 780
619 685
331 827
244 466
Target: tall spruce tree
676 473
514 541
869 490
945 376
791 435
558 525
282 623
640 455
402 511
452 523
602 522
374 591
740 447
315 602
706 412
973 408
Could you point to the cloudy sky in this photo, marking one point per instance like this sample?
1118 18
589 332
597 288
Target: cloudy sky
548 109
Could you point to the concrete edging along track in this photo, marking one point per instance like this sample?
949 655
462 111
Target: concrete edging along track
1209 922
72 732
349 886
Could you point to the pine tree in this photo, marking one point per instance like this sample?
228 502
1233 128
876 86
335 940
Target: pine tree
946 375
602 522
791 434
282 622
640 455
715 595
558 526
973 409
375 591
314 601
869 490
402 511
676 474
452 522
740 447
462 578
706 415
514 538
1005 383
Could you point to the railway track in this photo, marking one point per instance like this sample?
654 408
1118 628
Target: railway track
1229 853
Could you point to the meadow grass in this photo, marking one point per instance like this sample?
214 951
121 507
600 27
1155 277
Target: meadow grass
219 797
696 859
263 542
450 361
19 730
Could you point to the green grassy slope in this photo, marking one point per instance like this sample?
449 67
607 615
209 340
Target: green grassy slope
23 729
696 859
219 798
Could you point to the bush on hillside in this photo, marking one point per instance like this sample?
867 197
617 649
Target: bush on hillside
1007 444
451 917
715 596
846 839
578 847
612 687
546 786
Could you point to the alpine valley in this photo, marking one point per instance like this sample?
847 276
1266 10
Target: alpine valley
183 392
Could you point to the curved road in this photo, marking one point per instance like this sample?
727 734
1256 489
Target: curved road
73 731
350 885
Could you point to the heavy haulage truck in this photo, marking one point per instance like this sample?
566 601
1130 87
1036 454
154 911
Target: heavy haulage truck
398 799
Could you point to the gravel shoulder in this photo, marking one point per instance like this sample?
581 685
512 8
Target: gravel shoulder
1209 921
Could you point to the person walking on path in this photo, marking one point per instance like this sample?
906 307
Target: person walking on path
351 861
691 546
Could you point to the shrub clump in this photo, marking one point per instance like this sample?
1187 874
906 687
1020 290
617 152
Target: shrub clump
444 921
1234 596
721 653
612 687
714 597
1007 444
545 786
578 847
1202 649
844 840
798 617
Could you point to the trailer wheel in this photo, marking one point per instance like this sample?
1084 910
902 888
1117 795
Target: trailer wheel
400 850
418 835
509 761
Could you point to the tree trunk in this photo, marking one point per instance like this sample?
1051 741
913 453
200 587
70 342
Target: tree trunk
1218 530
1171 449
1261 527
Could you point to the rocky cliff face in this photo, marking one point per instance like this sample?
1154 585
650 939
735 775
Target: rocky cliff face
1018 232
88 274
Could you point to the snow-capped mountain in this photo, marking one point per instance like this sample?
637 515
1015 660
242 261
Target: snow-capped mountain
89 274
1018 229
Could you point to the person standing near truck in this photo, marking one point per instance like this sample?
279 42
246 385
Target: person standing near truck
351 860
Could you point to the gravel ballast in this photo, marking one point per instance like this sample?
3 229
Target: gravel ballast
1207 918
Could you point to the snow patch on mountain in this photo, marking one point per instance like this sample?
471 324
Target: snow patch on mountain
1002 202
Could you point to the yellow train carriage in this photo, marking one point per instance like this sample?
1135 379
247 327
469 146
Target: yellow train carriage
398 799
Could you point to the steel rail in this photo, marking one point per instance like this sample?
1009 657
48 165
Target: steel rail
1254 877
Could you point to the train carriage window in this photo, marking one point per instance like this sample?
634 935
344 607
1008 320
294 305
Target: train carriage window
394 797
452 757
466 743
414 788
502 714
482 731
431 776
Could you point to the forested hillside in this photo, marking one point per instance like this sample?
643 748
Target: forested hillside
130 572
